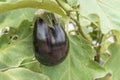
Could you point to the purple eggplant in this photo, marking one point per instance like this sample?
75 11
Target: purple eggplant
51 44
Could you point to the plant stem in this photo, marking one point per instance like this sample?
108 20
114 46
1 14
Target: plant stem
97 57
79 28
63 7
98 47
77 22
77 13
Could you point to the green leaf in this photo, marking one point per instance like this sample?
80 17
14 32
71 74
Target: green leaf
64 5
73 3
106 41
113 63
21 74
15 17
78 65
50 5
31 64
17 46
116 35
108 14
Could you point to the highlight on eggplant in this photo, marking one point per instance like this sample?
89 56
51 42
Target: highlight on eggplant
51 44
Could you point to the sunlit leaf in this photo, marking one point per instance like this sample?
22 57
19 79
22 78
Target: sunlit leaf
78 65
15 17
50 5
16 47
109 14
21 74
113 63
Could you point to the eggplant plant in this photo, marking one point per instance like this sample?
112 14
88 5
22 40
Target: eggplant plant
43 47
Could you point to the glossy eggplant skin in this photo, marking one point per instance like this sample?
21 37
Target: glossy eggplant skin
51 45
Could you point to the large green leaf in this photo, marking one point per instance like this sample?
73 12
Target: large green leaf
78 65
16 45
50 5
108 11
113 64
21 74
15 17
79 60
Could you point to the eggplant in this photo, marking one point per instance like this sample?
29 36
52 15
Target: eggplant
51 44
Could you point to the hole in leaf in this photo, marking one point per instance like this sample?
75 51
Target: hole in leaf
9 42
31 24
6 30
10 37
15 37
